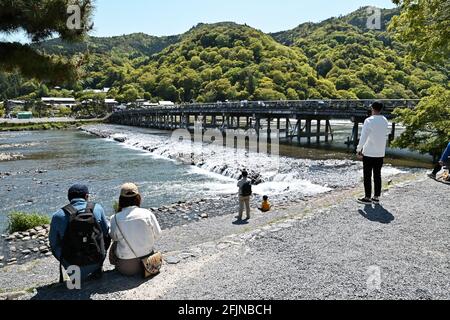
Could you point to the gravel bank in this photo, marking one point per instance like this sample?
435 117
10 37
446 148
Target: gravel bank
329 255
317 249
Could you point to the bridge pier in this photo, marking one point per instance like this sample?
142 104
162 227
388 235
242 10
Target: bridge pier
392 135
299 130
327 131
308 130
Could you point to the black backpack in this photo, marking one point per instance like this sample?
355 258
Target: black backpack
84 242
247 189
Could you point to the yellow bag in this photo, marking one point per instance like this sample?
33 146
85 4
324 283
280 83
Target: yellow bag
152 265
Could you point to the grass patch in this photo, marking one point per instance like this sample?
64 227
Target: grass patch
43 126
20 221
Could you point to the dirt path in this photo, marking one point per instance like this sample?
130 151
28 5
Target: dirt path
327 248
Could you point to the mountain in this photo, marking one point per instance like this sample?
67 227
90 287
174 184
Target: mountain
136 42
358 19
363 63
337 58
226 61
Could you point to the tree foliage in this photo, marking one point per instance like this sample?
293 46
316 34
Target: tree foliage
425 25
427 126
40 20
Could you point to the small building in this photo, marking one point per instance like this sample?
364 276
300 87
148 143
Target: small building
59 102
104 90
25 115
140 102
166 104
118 108
149 105
14 106
111 103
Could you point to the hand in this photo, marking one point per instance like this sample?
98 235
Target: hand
441 163
360 156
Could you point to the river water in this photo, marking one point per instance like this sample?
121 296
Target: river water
54 160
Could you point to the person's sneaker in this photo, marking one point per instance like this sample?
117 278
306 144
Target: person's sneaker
376 200
364 201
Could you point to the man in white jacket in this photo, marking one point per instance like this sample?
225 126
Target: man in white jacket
372 150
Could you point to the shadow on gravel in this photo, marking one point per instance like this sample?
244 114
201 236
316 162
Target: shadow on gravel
240 222
111 282
377 214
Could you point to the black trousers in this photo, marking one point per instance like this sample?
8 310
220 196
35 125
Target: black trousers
372 165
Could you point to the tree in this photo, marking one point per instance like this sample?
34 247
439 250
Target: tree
2 109
268 94
428 125
324 66
130 93
425 25
40 20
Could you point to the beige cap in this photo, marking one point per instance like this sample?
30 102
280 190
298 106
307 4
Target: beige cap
129 190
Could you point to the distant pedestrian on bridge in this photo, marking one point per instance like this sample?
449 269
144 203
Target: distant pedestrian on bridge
372 150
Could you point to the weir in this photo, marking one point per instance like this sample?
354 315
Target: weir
307 120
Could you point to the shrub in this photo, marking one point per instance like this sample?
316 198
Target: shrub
20 221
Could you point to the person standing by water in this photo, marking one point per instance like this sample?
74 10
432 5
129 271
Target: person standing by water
245 192
443 161
134 231
79 234
372 150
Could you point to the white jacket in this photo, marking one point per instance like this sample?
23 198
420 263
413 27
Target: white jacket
374 137
140 228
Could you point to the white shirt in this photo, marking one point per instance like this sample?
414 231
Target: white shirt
140 228
374 137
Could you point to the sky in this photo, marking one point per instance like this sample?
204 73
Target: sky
171 17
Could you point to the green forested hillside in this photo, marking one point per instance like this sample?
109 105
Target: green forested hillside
363 63
337 58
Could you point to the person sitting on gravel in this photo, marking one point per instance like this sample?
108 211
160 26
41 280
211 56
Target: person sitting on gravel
443 161
265 206
79 234
245 192
134 231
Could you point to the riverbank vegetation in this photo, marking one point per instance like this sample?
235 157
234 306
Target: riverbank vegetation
427 127
424 25
20 221
43 126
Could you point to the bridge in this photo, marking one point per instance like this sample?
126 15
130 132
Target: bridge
293 119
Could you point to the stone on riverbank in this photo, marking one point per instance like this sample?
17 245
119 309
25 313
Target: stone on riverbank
43 249
172 260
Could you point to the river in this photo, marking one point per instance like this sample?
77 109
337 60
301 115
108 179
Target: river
54 160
